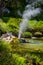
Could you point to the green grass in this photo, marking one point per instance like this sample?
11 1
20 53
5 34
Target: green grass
15 53
31 50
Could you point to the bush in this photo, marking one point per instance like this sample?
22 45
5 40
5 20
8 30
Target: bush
27 35
19 60
12 25
5 55
4 27
8 58
5 19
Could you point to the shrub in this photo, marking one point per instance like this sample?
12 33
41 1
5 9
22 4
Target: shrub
38 34
5 55
19 60
27 35
8 58
13 24
5 19
4 27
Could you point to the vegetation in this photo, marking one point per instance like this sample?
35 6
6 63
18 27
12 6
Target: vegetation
27 35
12 50
14 53
11 8
8 58
12 25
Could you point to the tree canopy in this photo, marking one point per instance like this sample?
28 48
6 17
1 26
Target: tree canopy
13 8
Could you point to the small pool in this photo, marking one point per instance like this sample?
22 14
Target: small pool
35 41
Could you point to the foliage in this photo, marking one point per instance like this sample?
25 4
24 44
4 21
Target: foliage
5 54
8 58
19 60
11 7
12 25
39 26
27 35
14 53
36 25
3 27
5 19
33 52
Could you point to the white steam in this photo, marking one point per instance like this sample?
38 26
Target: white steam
28 13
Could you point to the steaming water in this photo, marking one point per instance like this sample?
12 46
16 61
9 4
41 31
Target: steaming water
27 14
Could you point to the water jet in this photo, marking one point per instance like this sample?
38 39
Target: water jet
30 11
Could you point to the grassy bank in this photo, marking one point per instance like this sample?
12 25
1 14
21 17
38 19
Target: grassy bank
16 53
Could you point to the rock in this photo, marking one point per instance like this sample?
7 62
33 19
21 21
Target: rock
22 40
7 37
38 34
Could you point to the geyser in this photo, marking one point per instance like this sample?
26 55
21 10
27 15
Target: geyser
27 14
